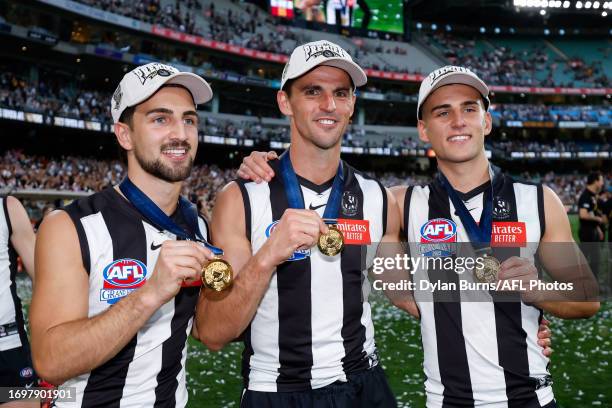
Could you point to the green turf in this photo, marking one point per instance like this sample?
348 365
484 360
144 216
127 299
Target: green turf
581 363
386 16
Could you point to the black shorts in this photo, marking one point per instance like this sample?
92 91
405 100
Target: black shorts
367 389
16 369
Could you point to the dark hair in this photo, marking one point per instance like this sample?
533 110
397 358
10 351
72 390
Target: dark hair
593 177
287 87
127 116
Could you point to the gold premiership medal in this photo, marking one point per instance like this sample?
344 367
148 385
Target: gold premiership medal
332 243
217 275
489 270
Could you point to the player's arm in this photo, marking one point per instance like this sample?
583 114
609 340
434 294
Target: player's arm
22 237
222 316
65 341
562 258
391 246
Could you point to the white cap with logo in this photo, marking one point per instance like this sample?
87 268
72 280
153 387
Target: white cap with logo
312 54
449 75
143 81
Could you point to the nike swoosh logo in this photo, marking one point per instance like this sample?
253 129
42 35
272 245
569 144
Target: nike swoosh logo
155 247
310 207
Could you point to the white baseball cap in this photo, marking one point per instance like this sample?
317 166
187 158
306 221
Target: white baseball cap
449 75
312 54
143 81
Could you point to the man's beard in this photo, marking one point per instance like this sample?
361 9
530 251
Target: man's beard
158 169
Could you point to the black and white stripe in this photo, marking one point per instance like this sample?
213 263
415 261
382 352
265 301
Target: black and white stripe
313 325
486 352
10 304
150 369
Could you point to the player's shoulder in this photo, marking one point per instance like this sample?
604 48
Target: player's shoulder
93 203
351 172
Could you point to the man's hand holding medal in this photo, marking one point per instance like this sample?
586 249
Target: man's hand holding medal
297 229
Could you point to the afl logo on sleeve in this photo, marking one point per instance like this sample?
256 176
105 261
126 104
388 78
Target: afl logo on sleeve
121 277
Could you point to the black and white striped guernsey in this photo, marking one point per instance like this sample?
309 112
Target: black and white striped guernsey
480 353
13 333
313 325
119 250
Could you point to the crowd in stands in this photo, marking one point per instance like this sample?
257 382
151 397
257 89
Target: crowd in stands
501 65
20 171
179 17
552 113
506 147
45 96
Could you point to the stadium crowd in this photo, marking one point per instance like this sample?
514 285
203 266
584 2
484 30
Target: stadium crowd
504 66
500 66
19 171
547 113
179 17
52 97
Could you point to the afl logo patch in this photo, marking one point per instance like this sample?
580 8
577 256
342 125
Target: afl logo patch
439 230
121 277
297 255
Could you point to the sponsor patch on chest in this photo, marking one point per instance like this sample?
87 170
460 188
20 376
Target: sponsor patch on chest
508 234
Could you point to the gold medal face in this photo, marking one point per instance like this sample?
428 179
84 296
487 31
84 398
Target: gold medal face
489 271
332 243
217 275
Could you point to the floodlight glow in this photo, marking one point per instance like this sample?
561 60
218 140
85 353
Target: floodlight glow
578 4
542 12
566 4
604 13
497 30
434 26
596 5
587 5
561 32
483 30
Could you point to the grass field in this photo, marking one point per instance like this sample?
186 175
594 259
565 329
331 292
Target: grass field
386 16
581 364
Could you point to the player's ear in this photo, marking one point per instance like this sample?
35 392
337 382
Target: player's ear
422 128
487 123
124 136
283 103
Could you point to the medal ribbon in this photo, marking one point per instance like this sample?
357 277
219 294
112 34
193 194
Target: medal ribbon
294 193
152 213
479 234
